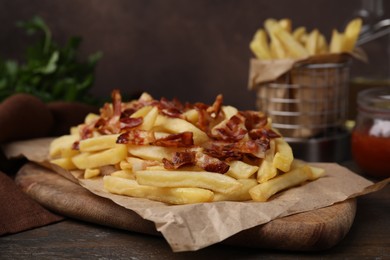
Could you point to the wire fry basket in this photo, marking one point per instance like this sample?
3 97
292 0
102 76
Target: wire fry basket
309 101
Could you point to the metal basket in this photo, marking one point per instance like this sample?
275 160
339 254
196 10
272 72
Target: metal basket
307 102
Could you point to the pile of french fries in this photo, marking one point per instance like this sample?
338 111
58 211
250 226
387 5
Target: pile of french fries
279 41
137 169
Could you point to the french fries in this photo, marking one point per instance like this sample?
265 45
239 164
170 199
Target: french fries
280 41
178 154
259 45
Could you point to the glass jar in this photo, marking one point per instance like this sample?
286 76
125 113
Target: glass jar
371 135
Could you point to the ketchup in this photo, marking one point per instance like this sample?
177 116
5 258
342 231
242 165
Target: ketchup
370 141
371 153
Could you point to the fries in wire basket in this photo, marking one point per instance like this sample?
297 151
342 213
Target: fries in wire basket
178 153
278 40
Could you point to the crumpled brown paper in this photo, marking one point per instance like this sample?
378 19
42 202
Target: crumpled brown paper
264 71
191 227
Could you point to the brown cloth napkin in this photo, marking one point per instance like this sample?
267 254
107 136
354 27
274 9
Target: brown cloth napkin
18 212
23 116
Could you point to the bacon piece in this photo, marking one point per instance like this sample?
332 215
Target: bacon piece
116 103
86 132
254 119
233 130
227 151
200 159
263 133
129 122
113 124
184 139
211 164
106 111
136 136
256 147
127 112
204 117
179 159
172 108
224 151
215 109
76 145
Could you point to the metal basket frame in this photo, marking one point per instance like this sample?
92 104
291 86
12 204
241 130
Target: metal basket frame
314 100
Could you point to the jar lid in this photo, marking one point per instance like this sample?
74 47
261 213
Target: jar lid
376 100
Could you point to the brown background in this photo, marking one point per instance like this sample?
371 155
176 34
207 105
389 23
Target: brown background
192 50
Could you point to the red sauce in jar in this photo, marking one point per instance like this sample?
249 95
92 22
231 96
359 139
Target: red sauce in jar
371 153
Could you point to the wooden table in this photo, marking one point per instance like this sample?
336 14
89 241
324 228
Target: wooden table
368 238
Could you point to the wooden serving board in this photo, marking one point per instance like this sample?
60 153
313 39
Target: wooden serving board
314 230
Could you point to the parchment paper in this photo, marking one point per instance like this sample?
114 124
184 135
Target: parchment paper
192 227
264 71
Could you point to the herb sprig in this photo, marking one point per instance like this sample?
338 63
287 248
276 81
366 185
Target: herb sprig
49 71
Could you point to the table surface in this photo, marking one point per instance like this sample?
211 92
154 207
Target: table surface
368 238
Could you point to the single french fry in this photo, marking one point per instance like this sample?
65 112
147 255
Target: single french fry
156 168
192 116
322 46
125 165
313 42
149 119
267 170
336 42
277 48
69 153
351 32
316 173
299 34
286 24
97 159
259 45
131 188
126 174
143 111
98 143
207 180
263 191
151 152
178 125
240 195
283 156
91 173
65 163
241 170
58 145
74 130
91 117
229 111
135 164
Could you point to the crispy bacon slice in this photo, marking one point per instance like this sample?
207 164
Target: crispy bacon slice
172 108
211 164
129 122
200 159
116 103
136 136
233 130
215 109
180 159
204 117
254 119
260 133
184 139
224 151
